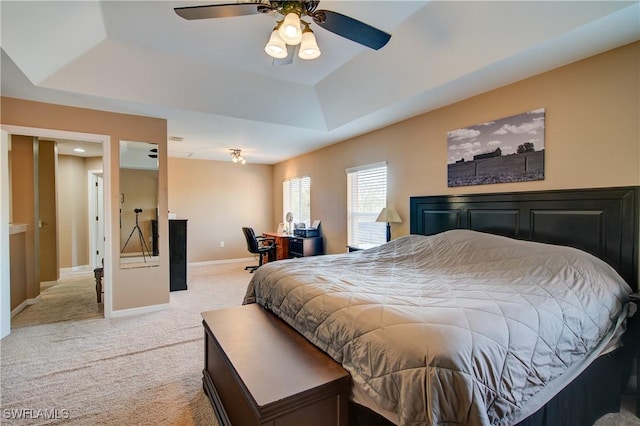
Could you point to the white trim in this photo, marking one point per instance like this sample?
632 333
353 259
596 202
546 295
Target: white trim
5 217
91 197
17 228
295 177
365 167
107 281
76 271
219 262
50 133
79 268
23 305
106 167
138 311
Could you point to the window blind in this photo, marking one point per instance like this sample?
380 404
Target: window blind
366 197
296 197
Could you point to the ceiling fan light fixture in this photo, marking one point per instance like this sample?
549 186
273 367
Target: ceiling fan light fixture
275 47
236 156
308 46
290 31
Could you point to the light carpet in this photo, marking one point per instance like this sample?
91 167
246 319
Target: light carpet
142 370
145 369
73 298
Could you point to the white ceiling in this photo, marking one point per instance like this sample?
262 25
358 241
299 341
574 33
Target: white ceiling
218 90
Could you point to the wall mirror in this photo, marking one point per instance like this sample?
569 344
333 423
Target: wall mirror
138 204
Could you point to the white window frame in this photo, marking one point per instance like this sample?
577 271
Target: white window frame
362 229
295 200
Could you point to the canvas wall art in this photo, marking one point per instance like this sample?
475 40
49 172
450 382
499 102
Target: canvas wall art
510 149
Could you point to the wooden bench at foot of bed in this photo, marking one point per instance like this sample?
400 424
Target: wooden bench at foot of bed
259 371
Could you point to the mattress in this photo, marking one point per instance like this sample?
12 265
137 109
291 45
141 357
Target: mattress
461 327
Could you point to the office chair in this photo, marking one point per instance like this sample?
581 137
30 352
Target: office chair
259 245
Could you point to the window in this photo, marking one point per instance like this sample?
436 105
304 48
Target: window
296 197
366 197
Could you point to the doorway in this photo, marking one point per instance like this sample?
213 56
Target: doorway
104 188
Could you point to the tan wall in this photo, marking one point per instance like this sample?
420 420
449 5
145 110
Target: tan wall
18 273
139 190
73 235
132 288
592 139
93 163
23 205
218 198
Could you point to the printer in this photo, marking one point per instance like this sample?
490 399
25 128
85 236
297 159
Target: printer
307 232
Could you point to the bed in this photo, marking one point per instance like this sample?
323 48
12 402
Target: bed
490 312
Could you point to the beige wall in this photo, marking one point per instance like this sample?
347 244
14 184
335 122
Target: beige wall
23 206
139 190
131 288
592 139
18 272
73 237
218 198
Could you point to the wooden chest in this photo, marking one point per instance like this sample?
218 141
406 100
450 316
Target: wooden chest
259 371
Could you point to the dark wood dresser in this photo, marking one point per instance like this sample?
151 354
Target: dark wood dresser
177 254
259 371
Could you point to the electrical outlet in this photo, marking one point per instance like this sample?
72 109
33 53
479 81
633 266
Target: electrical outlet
221 243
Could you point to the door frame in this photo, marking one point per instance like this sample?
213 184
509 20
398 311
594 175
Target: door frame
5 302
96 218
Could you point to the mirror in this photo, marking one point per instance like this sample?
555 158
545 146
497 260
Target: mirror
138 204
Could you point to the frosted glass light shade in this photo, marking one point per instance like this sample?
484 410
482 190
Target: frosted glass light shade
308 46
290 31
275 46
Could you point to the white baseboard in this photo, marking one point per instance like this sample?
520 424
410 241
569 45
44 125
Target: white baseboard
75 271
219 262
23 305
76 268
137 311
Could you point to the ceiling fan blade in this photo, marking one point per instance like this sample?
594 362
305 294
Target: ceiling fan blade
352 29
221 10
292 51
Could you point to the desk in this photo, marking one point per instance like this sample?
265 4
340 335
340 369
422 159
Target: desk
282 244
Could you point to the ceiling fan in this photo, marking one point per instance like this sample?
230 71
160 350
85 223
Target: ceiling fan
292 32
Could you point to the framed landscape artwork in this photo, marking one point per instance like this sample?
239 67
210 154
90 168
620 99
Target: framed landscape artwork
510 149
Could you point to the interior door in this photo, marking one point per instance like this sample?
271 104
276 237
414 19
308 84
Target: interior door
97 219
47 212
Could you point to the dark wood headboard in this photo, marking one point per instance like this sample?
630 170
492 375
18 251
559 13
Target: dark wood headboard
601 221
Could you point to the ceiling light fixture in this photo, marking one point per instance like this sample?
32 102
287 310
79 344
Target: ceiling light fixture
290 28
236 156
292 31
276 47
308 45
78 150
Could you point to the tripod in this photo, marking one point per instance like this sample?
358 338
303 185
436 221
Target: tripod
143 244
